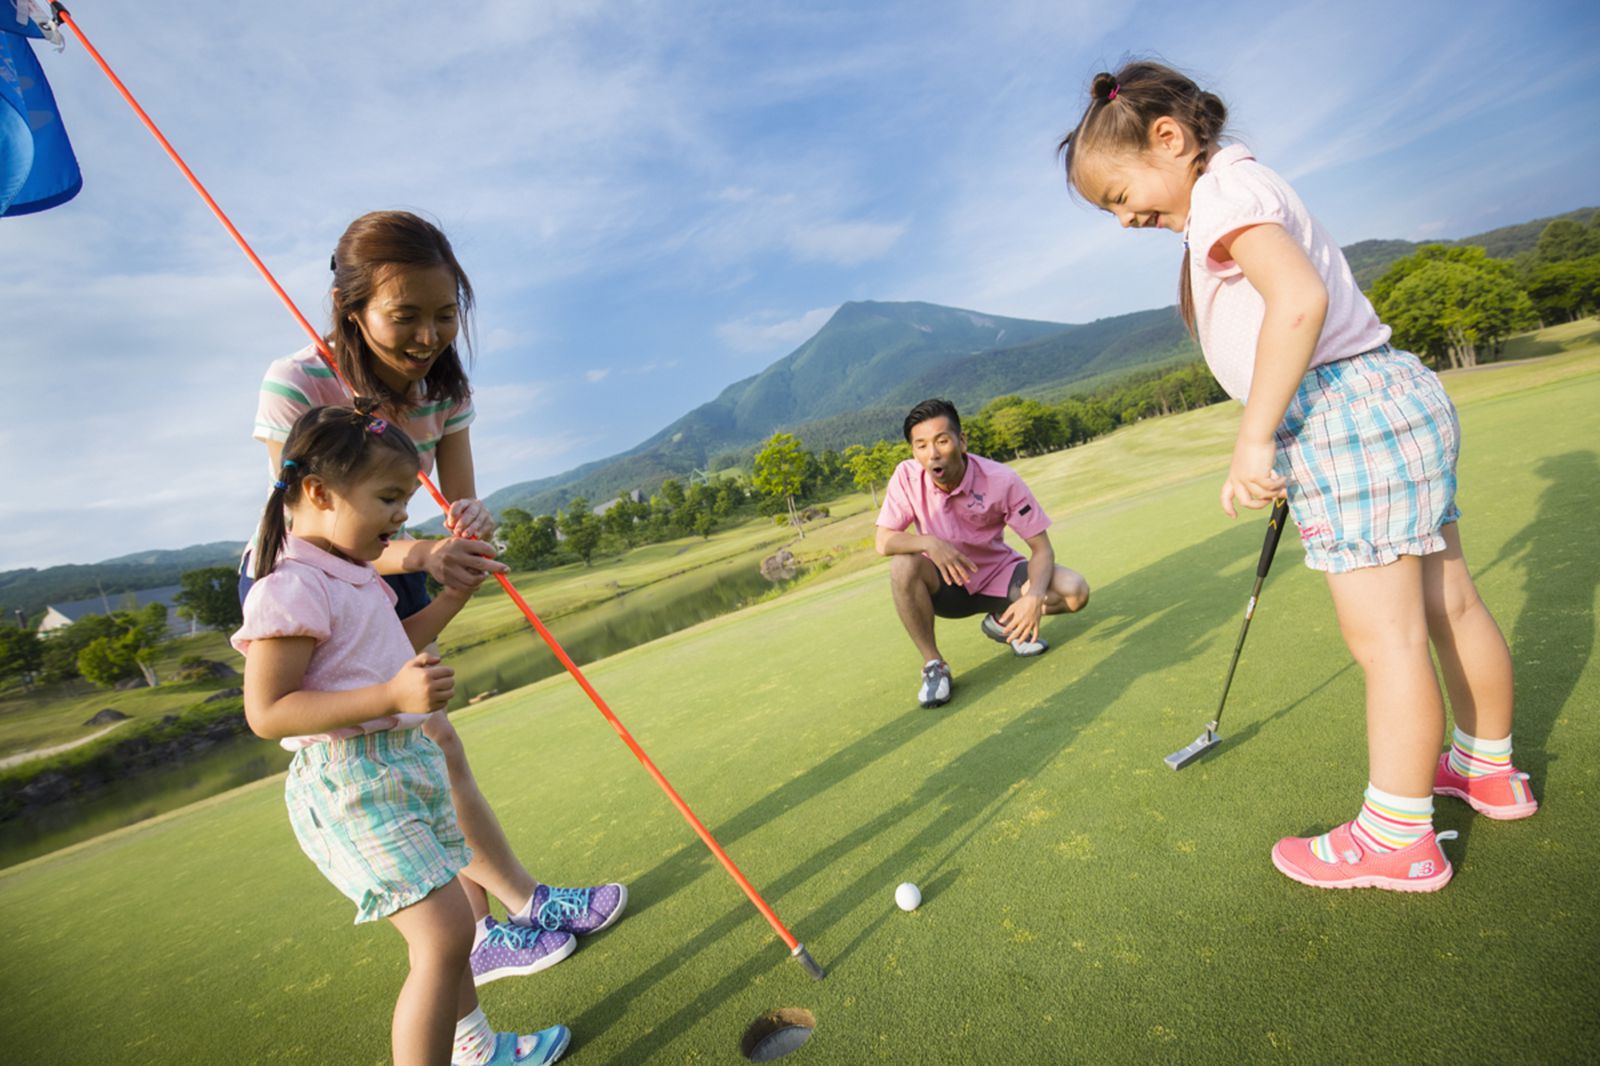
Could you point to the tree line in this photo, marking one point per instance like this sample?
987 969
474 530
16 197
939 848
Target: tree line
1455 305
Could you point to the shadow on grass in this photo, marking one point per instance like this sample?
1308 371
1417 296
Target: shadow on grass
1161 630
1553 635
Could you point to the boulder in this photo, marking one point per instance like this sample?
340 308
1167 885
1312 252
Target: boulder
205 669
223 694
780 567
480 697
129 683
107 716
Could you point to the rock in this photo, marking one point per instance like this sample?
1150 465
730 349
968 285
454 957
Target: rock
48 787
780 567
480 697
205 669
223 694
107 716
130 683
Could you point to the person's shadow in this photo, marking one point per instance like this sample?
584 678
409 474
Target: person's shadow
1553 634
1159 617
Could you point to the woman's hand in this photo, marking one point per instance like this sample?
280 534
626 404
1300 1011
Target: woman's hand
1251 480
469 518
457 563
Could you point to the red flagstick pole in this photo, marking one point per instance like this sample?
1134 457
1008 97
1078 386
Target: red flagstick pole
796 949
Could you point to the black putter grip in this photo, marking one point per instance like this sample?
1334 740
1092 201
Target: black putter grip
1275 524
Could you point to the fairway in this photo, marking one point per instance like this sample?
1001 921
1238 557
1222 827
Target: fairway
1081 902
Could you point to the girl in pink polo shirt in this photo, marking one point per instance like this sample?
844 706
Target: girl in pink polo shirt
333 673
1362 439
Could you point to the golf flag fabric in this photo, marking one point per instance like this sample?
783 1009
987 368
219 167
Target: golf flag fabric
37 167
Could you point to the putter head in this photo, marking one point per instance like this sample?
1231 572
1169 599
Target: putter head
1203 743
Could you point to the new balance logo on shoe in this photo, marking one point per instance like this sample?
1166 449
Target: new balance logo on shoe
1422 869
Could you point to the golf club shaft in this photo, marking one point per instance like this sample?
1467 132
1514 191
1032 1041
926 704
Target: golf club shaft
1269 548
795 947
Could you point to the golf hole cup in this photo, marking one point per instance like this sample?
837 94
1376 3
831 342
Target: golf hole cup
908 896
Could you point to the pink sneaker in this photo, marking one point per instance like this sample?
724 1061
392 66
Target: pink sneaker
1421 867
1504 795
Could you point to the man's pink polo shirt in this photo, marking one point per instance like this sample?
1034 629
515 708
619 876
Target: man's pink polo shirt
973 516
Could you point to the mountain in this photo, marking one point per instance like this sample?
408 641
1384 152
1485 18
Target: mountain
854 379
1369 259
30 590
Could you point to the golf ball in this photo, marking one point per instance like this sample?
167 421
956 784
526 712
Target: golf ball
908 896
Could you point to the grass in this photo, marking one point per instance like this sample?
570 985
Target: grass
1081 902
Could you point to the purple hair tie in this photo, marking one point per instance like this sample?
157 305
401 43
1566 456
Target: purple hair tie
1112 95
377 425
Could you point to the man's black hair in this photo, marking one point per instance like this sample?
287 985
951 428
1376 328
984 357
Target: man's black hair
932 409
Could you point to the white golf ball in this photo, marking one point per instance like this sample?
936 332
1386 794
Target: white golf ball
908 896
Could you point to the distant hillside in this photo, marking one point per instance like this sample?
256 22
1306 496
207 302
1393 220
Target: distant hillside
1369 259
871 361
31 589
852 381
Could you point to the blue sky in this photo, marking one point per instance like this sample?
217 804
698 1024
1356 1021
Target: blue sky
657 199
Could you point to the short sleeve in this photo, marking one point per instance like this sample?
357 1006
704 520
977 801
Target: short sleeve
283 399
1229 198
459 417
1023 513
897 513
289 602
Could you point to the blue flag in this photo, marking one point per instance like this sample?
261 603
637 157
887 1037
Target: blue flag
37 167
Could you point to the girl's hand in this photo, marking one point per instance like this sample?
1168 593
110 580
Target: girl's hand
1250 477
458 563
422 686
471 519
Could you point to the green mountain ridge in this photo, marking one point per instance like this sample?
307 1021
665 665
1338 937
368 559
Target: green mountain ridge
850 382
31 589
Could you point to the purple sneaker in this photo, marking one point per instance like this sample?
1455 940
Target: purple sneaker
575 910
508 950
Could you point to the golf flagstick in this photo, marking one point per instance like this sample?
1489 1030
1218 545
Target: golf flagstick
797 950
1205 741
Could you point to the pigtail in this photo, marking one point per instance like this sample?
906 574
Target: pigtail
274 528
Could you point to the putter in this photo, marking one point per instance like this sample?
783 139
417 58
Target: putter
1209 739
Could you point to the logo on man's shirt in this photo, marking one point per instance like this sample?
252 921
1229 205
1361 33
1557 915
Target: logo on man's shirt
976 502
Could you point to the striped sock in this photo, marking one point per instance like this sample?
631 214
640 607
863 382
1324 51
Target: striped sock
1386 823
1475 757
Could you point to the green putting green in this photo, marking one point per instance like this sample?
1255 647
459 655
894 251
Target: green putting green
1081 901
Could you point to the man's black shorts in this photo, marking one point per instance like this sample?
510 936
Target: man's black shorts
954 601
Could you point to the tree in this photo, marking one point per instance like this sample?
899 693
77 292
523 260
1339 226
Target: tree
21 654
1566 291
210 596
105 660
529 543
1565 239
581 528
1450 302
780 472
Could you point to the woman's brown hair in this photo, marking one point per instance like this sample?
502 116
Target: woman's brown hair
371 247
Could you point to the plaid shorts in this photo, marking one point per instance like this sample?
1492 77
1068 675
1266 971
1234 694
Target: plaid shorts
1369 448
374 814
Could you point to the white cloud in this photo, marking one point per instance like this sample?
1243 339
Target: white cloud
597 375
846 243
767 331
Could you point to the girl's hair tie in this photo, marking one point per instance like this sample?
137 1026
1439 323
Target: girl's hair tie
287 463
280 484
1112 95
377 425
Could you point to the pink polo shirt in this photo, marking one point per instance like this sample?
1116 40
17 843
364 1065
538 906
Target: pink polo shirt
973 516
1236 192
348 610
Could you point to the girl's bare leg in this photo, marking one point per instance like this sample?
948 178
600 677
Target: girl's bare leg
438 991
1472 652
1383 617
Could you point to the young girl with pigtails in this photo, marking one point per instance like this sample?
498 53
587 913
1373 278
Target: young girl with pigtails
1359 435
335 675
